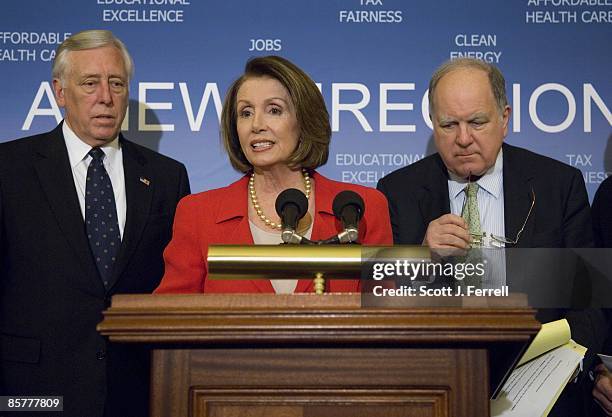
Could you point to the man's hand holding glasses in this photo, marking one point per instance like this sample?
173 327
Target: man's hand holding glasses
448 232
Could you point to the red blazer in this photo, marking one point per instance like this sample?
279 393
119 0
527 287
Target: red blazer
221 217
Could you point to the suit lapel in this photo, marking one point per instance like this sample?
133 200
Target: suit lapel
241 233
52 166
517 198
325 223
139 187
434 201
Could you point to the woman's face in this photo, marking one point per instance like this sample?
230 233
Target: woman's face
267 124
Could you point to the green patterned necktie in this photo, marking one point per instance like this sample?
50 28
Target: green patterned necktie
470 209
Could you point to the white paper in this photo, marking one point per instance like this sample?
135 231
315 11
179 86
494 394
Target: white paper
532 387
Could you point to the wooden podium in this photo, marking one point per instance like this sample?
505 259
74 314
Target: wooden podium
320 356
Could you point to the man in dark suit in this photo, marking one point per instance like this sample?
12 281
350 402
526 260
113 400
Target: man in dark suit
84 214
470 115
520 199
602 214
418 196
602 230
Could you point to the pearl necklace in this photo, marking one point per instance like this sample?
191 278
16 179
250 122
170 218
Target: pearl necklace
257 207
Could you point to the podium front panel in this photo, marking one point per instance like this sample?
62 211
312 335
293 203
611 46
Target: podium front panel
374 381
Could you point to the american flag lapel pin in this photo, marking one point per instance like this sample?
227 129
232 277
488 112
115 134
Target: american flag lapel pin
145 181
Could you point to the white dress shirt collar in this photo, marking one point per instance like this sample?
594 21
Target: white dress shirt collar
491 181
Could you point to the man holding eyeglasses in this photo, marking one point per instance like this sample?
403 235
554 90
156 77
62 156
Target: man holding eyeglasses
470 114
478 191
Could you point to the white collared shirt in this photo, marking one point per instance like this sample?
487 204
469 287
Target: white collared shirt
113 163
490 197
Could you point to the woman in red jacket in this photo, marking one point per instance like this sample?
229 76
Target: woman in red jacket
275 129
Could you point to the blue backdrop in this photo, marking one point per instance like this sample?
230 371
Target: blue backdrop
372 59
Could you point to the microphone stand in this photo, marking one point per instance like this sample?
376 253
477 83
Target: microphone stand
291 237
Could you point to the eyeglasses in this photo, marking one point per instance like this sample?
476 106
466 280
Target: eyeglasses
490 240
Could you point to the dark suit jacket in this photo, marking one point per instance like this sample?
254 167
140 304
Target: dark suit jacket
561 218
51 296
602 231
221 217
602 214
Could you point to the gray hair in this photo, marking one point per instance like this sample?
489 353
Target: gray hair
88 39
496 79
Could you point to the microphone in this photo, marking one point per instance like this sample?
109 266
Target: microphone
291 205
348 207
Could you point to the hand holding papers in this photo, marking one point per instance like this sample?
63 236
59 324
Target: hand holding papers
541 374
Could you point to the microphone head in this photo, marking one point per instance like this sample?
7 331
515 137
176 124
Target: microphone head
348 198
292 196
